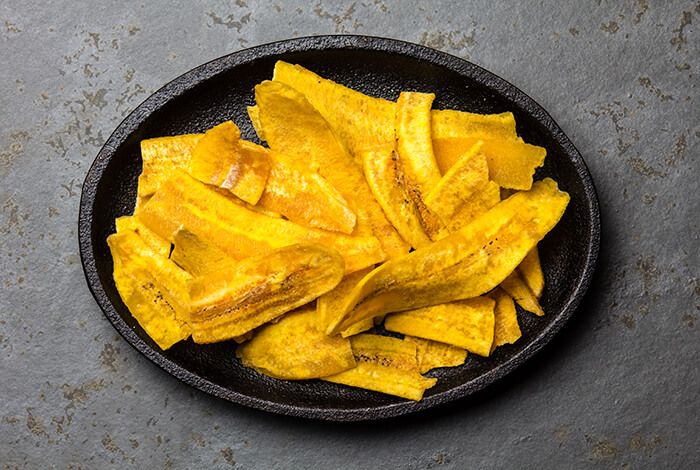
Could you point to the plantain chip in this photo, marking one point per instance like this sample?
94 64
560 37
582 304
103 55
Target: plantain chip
459 184
295 349
451 123
329 303
198 256
462 265
386 179
254 115
304 196
220 159
467 324
185 203
229 303
386 365
506 329
160 156
530 270
479 203
293 127
413 139
512 162
433 354
521 293
158 244
152 287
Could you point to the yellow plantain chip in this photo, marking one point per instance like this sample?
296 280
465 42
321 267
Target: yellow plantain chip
386 365
433 354
304 196
531 271
360 121
479 203
220 159
254 115
506 330
329 303
229 303
413 139
152 287
185 203
462 265
467 324
459 184
295 349
160 156
158 244
451 123
511 162
198 256
385 176
293 127
521 293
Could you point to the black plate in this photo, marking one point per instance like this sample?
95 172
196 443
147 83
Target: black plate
221 90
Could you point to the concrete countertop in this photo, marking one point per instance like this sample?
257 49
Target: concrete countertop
619 386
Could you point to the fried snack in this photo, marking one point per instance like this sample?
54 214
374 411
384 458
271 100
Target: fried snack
521 293
254 115
386 179
229 303
512 162
531 271
467 324
386 365
479 203
413 139
292 126
197 255
185 203
220 159
433 354
295 349
158 244
152 287
160 156
506 329
464 264
459 184
304 196
329 303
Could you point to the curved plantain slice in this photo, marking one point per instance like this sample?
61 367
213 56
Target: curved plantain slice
160 156
295 349
158 244
521 293
254 115
386 365
186 203
467 324
386 179
531 271
413 139
220 159
450 123
293 127
329 303
479 203
198 256
462 265
229 303
459 184
304 196
512 162
506 329
433 354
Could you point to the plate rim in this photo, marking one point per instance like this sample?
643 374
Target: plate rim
208 70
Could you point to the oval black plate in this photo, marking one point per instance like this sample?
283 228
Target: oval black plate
221 90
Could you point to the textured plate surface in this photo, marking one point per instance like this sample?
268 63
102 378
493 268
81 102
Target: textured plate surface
221 90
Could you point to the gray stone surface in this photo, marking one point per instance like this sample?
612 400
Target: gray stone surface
617 389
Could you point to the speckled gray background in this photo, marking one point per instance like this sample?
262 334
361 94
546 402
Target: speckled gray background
618 388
